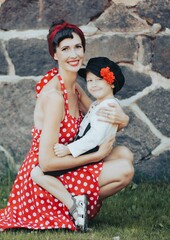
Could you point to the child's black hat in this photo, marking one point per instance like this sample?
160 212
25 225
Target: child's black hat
95 65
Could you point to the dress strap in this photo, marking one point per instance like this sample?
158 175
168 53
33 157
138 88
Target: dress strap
65 95
49 75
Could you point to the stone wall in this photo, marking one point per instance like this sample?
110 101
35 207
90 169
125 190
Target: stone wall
135 34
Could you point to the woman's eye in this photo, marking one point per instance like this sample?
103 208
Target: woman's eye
64 49
79 46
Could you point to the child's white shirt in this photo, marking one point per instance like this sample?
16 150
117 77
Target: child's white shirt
98 132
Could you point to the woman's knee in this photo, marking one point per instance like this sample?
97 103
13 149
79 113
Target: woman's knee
127 173
124 152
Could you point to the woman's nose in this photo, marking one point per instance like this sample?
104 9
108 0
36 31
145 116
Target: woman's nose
73 53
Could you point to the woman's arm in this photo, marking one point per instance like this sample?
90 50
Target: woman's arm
53 114
113 114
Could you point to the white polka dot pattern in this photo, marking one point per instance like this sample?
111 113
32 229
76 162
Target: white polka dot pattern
30 206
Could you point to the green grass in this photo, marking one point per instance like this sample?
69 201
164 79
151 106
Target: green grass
140 212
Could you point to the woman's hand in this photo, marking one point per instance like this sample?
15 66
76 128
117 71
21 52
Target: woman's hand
61 150
113 114
106 147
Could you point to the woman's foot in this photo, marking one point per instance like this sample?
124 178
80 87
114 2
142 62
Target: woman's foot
79 212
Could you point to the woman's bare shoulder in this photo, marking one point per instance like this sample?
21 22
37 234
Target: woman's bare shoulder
54 96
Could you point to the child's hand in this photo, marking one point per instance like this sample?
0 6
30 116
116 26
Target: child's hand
61 150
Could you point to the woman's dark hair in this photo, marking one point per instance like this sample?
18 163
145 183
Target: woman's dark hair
66 32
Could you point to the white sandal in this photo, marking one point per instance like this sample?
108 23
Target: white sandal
80 207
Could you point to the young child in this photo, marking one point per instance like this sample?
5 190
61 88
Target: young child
104 79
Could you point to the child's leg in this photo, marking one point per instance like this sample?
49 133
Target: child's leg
53 186
77 205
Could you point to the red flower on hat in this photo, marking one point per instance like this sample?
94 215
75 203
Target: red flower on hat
107 75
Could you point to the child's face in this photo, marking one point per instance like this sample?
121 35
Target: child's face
98 87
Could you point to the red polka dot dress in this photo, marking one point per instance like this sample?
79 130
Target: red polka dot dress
30 206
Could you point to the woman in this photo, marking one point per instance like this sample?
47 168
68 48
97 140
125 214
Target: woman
58 113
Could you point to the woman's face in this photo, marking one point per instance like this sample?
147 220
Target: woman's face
70 54
98 87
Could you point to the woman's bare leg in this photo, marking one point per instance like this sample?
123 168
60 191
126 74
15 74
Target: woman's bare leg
117 172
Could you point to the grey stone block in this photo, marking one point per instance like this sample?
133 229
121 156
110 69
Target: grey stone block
156 106
147 51
76 12
138 137
16 120
118 48
36 14
154 169
134 82
19 14
30 57
155 11
161 56
119 18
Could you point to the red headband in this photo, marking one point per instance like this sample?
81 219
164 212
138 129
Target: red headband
56 29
